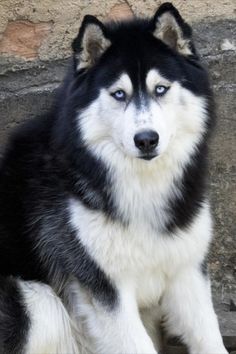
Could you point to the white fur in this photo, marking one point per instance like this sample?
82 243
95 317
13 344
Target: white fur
118 331
189 313
51 330
145 267
126 254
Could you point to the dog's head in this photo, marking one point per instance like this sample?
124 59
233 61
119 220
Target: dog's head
140 87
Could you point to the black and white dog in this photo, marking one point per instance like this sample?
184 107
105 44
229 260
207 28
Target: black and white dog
104 219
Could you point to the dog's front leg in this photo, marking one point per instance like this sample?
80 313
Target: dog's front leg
189 312
118 330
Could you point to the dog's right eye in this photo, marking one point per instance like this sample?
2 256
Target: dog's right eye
119 95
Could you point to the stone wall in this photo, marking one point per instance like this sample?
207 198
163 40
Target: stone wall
35 39
44 29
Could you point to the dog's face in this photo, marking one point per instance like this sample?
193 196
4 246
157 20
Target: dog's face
139 115
148 91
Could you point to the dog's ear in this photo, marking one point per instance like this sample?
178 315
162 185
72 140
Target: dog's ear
90 43
170 27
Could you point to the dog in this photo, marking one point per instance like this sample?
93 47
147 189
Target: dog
105 223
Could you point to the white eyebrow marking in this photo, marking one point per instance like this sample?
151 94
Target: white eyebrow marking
123 83
154 78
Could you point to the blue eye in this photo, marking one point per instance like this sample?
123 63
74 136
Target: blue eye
119 95
160 90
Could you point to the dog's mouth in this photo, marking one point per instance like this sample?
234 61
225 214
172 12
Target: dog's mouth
147 157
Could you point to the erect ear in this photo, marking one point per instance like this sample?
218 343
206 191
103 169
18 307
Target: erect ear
90 43
170 27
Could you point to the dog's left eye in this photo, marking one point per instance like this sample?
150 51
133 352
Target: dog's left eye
160 90
119 95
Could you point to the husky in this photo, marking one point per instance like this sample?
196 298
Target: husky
105 223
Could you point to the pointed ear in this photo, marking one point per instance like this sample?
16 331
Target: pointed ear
169 27
90 43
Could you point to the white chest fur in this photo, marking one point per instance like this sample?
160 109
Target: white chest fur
136 256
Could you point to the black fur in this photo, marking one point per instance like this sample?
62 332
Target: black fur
193 186
204 267
35 186
14 320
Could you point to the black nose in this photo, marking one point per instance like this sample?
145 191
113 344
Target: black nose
146 141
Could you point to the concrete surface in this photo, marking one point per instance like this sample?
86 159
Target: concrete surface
27 89
222 67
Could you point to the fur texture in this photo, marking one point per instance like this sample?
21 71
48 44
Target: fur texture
104 214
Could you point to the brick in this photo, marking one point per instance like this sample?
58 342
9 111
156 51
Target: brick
120 12
24 38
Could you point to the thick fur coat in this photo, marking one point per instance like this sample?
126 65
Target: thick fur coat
104 218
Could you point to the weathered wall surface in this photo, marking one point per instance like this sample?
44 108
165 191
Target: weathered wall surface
35 39
44 29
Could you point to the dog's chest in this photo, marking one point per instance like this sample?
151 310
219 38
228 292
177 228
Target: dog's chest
134 255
